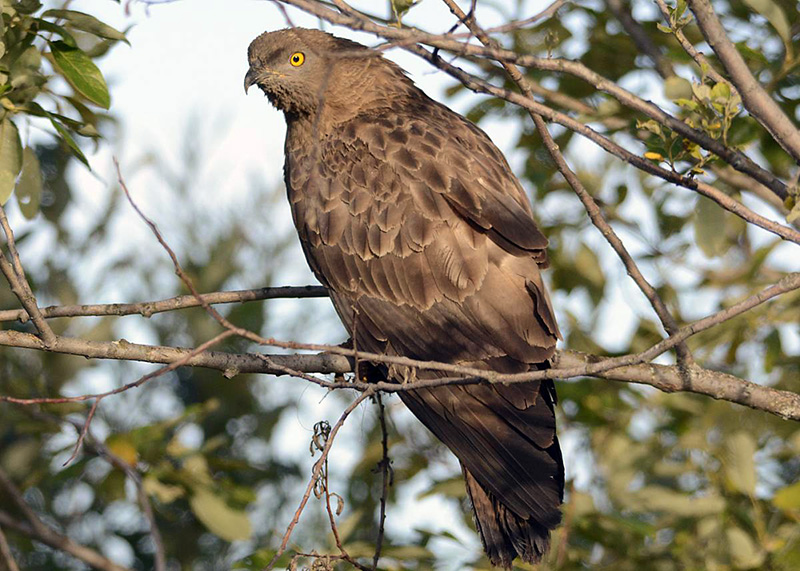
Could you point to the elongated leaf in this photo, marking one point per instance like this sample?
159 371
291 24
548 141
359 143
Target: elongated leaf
87 23
81 72
46 26
677 88
740 468
774 15
709 228
29 185
218 517
744 552
73 146
10 158
788 498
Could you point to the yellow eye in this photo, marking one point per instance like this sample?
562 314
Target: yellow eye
297 59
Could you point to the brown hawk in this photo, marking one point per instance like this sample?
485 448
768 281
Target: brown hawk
413 220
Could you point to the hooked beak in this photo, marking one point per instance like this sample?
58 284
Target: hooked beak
250 79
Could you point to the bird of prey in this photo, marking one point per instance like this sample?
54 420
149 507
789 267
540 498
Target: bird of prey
412 219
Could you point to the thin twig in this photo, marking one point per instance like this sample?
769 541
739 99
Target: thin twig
332 521
84 430
700 59
36 529
593 210
385 469
735 158
15 275
315 475
545 14
148 308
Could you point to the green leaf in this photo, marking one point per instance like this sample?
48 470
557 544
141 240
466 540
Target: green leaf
744 552
219 517
788 498
87 23
10 158
739 466
165 493
29 185
73 146
452 488
794 214
677 88
406 552
46 26
27 6
773 350
774 15
661 499
81 72
709 228
400 7
721 91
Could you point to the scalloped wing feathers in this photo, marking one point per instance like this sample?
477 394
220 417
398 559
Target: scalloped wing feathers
413 220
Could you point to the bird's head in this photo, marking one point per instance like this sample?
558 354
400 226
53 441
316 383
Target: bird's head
297 67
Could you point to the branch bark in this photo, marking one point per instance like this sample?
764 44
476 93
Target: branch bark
148 308
755 99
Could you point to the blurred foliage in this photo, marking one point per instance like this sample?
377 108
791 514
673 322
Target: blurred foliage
655 481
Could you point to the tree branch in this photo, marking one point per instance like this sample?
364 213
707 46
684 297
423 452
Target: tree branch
756 100
36 529
700 59
339 360
9 563
15 276
148 308
722 199
735 158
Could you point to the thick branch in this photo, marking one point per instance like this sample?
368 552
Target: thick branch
628 368
755 99
717 385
